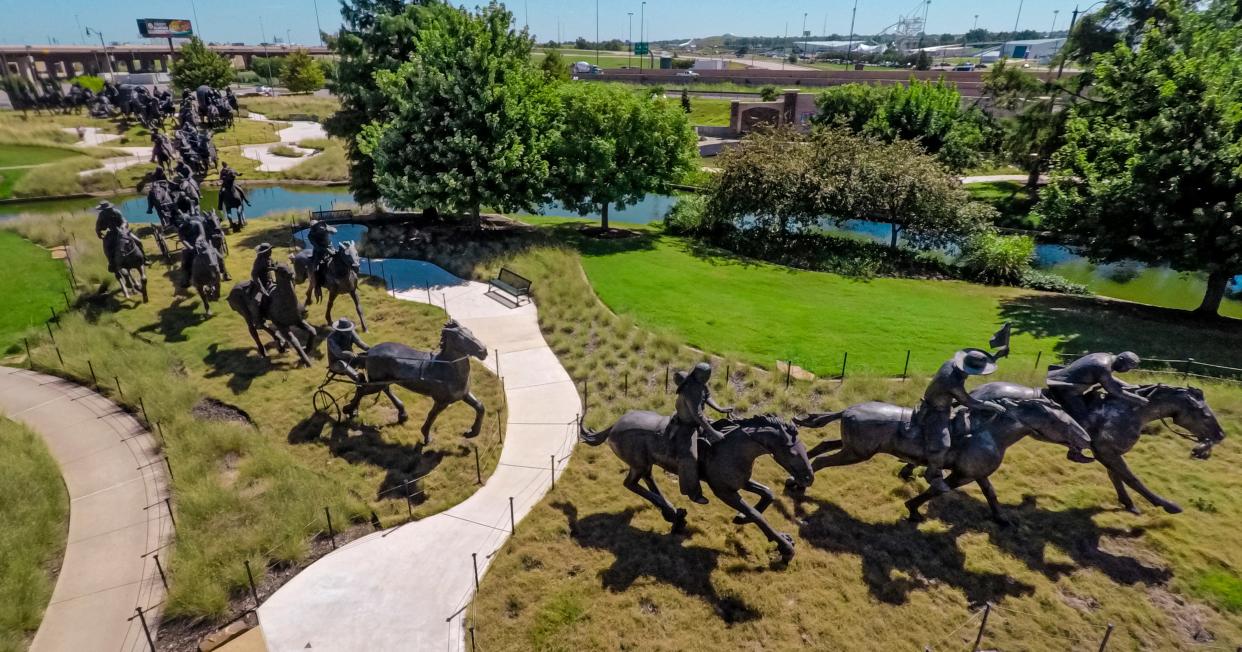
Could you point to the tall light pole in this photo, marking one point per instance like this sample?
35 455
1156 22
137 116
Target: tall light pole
318 27
1054 22
849 52
976 25
596 33
642 30
107 57
198 27
923 34
1018 18
630 41
804 30
785 43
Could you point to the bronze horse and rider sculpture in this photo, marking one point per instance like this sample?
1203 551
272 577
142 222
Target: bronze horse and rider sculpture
123 250
325 266
269 301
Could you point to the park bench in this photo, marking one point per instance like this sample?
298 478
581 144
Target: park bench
320 216
512 284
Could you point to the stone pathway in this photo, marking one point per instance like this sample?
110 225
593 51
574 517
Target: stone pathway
113 473
409 588
992 178
296 132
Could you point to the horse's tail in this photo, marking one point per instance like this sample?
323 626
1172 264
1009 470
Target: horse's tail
818 420
588 436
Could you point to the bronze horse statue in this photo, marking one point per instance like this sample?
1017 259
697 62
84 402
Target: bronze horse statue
277 314
639 439
205 273
129 257
340 276
978 449
232 198
160 201
1116 425
443 375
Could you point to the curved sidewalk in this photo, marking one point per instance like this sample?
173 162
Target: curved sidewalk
408 588
113 472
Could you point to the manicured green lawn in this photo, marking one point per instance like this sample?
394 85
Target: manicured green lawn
707 112
762 313
13 155
34 514
1008 197
31 288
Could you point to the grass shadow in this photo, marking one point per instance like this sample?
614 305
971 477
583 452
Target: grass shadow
651 555
241 365
185 311
898 559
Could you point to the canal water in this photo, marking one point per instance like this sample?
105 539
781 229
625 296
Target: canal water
1130 280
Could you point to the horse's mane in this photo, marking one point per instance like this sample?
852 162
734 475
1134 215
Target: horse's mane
768 420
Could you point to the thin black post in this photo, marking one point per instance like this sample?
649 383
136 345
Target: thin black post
905 371
1108 633
56 347
160 567
428 288
625 384
478 468
163 439
788 372
119 391
49 331
586 395
728 375
331 532
94 380
54 317
1186 371
553 467
168 463
143 406
168 504
497 362
29 358
146 630
409 501
474 559
512 520
68 306
499 433
254 593
1038 356
473 647
666 378
844 359
987 610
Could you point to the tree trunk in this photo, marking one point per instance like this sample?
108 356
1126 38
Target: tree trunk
603 222
1216 285
478 218
1032 180
892 243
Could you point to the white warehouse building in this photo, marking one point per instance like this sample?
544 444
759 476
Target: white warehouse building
1036 50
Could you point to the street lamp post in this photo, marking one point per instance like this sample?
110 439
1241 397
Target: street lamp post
107 57
596 33
804 31
642 30
849 52
1070 34
1054 22
318 27
1017 19
923 34
630 39
198 27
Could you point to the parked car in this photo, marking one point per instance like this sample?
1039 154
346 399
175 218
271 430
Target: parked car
687 73
965 67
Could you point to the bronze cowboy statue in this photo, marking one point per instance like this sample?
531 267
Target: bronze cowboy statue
320 237
262 278
108 227
341 356
1069 385
689 424
933 416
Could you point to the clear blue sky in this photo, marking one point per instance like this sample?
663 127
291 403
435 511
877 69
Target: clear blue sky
35 21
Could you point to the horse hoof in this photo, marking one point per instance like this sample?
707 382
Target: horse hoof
470 434
1172 508
1133 510
915 517
403 417
740 519
679 521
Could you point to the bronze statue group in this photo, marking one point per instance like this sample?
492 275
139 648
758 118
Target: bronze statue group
1084 407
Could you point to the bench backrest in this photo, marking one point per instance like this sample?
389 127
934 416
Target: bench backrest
328 215
511 278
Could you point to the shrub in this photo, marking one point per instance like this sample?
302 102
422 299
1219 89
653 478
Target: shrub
687 216
285 151
91 83
769 93
994 258
301 74
1033 279
683 64
248 77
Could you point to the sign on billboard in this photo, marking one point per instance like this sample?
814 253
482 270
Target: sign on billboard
164 28
642 47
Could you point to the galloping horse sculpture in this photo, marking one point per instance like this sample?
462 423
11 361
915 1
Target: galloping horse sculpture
340 276
443 375
130 257
1115 426
979 441
205 273
281 308
639 439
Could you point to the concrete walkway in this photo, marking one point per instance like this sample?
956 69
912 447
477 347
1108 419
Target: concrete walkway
296 132
113 472
994 178
408 588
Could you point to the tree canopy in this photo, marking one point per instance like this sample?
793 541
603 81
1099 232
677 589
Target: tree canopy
474 118
1152 166
616 146
196 65
301 74
928 112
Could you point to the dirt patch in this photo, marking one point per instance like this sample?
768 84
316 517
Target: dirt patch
210 409
1085 604
1189 618
228 468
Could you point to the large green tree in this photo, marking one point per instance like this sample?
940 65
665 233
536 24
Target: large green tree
615 147
474 117
375 35
301 73
1152 166
197 65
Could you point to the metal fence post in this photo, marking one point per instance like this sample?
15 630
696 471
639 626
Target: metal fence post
666 370
788 372
409 501
168 463
1186 371
474 559
1038 356
146 630
56 347
168 504
987 610
120 392
512 520
1108 633
478 468
29 358
143 406
254 593
49 331
552 459
160 567
331 532
625 384
844 359
94 380
905 371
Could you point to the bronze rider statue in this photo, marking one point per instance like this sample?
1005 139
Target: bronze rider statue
341 356
1068 385
689 424
108 224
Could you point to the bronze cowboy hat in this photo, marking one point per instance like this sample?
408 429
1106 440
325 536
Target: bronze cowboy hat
974 362
263 248
103 204
680 377
343 325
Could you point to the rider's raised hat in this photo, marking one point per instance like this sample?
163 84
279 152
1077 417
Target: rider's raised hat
263 248
104 204
975 362
343 325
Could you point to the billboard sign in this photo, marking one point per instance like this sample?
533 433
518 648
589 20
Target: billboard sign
642 47
164 28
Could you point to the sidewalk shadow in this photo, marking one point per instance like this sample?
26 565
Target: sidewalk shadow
926 558
651 555
1072 531
364 444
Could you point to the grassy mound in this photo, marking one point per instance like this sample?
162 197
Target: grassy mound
36 517
593 566
252 478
